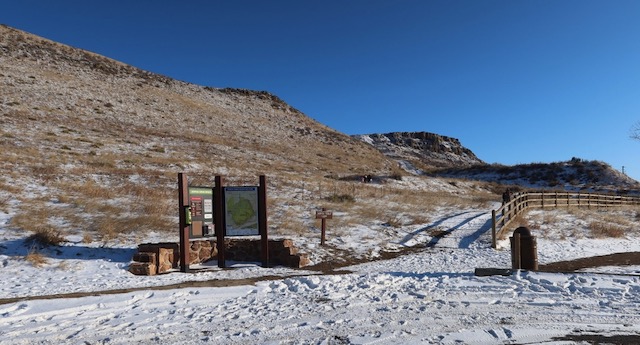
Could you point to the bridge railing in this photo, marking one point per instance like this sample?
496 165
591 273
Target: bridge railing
519 202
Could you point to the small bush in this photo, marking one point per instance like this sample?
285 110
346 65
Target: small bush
87 238
4 202
395 222
340 198
45 236
396 176
602 230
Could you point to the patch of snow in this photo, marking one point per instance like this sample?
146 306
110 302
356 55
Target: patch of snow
430 296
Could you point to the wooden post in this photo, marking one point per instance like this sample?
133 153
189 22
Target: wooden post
516 252
323 232
218 219
262 220
579 197
323 216
183 208
494 241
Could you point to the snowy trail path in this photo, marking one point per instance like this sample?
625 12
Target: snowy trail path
459 230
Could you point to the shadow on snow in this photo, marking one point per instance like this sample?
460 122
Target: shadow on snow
21 247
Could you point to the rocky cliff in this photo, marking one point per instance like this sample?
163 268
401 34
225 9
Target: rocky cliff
417 152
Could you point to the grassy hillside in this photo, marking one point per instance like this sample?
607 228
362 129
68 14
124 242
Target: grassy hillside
91 147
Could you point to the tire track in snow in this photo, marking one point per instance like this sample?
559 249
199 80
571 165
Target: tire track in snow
459 230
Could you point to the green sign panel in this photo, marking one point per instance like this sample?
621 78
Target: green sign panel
241 211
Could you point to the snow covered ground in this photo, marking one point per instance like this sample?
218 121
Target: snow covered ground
430 296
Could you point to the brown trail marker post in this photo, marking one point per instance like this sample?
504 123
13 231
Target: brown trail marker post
262 219
183 212
323 216
218 219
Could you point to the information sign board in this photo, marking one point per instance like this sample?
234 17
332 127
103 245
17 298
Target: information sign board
241 211
201 206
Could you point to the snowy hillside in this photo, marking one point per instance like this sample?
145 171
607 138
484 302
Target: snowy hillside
90 149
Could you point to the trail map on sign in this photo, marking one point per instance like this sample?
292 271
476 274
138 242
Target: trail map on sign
241 204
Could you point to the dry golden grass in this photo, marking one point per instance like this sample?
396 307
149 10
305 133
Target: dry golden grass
593 223
290 222
395 221
9 188
107 228
63 266
46 235
4 202
87 238
36 259
90 189
29 220
599 229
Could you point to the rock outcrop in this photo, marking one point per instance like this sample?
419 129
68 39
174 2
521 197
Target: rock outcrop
420 151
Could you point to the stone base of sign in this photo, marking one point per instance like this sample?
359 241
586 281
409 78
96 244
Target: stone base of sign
143 268
145 257
165 256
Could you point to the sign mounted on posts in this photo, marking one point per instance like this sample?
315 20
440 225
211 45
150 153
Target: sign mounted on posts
241 211
221 211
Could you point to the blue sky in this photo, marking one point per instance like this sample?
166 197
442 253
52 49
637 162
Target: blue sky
517 81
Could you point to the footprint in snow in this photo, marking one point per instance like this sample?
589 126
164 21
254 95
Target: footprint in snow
14 310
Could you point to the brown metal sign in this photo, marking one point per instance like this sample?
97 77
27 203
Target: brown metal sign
324 214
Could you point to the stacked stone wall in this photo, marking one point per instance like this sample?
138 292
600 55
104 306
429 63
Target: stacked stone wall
158 258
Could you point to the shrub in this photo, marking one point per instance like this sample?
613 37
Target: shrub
395 222
340 198
396 176
45 236
602 229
